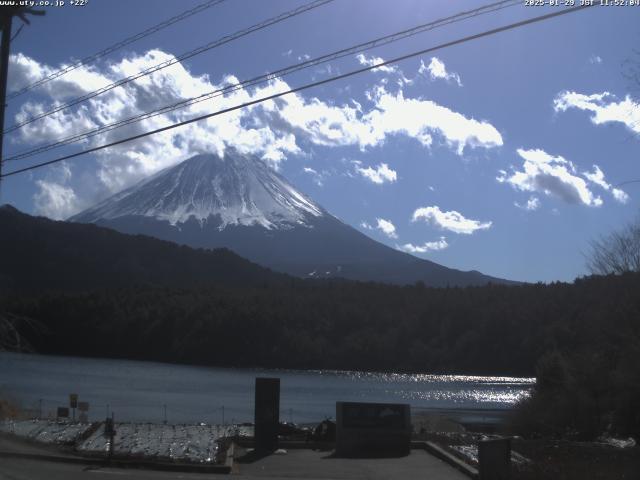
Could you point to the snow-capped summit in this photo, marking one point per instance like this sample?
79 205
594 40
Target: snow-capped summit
231 190
238 202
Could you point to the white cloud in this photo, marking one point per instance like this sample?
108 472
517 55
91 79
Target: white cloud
392 114
390 69
371 61
437 70
272 130
620 195
121 166
425 247
318 177
366 225
25 71
595 59
532 204
54 200
378 175
419 119
603 106
554 176
597 177
452 220
388 228
53 197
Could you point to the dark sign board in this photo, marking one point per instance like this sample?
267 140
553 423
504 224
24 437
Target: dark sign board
378 429
494 459
63 412
83 406
267 413
73 400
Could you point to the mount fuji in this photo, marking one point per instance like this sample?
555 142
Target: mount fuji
236 201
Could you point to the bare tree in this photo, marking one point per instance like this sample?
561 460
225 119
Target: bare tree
11 336
617 252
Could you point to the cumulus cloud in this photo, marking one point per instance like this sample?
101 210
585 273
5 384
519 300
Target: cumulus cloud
532 204
371 61
391 114
121 166
54 200
425 247
273 130
25 71
595 59
53 197
392 71
597 177
603 106
420 119
452 220
386 227
437 70
549 175
378 175
366 225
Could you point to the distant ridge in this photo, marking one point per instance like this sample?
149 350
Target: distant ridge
41 254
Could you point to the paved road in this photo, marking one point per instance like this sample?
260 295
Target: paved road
19 469
300 464
310 464
295 464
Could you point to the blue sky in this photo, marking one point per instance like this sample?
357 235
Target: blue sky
500 155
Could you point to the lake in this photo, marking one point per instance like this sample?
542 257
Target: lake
138 391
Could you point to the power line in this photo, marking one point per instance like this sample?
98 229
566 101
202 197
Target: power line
268 76
117 46
486 33
627 182
167 63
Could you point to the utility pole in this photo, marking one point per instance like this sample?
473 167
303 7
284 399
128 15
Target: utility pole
6 18
4 66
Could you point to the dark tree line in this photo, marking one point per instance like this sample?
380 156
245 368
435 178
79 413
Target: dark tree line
582 339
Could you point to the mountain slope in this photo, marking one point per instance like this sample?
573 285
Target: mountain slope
238 190
38 253
238 202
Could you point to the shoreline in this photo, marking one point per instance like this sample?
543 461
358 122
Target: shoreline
500 377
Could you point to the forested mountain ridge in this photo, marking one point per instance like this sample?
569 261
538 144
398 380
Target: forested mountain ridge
496 330
42 254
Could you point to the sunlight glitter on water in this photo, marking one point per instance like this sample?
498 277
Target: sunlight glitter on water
428 378
502 397
147 391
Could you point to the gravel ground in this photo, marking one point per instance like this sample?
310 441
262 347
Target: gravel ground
46 431
190 443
